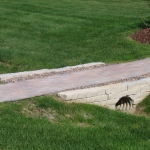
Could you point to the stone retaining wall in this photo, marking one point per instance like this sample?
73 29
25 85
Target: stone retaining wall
110 94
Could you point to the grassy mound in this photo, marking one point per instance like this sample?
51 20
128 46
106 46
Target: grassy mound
46 123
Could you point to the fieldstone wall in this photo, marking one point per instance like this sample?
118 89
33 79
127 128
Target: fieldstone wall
110 94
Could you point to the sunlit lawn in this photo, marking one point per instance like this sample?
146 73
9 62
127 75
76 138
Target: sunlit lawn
37 34
51 34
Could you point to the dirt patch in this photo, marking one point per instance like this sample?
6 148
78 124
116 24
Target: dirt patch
5 64
140 111
87 116
142 36
68 116
31 110
83 124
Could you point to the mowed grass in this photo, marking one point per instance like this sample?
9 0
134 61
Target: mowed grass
44 123
37 34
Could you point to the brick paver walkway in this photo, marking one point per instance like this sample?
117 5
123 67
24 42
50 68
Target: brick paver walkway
56 83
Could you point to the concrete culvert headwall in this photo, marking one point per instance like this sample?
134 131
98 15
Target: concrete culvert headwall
110 94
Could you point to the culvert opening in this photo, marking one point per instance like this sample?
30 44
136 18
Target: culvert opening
125 101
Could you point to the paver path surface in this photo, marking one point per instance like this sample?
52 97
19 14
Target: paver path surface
57 83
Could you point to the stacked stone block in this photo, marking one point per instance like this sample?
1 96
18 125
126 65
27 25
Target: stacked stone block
110 94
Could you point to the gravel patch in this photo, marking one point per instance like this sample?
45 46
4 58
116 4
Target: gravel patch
21 76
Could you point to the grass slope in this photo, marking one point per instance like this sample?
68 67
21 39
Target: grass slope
46 124
37 34
144 107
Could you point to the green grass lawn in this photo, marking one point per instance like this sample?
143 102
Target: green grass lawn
50 34
37 34
44 123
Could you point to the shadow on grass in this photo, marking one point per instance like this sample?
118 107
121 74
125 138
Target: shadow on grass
143 108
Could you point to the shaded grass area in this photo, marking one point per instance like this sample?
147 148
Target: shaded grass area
45 123
144 107
53 33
